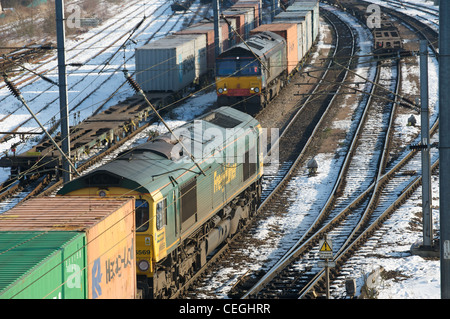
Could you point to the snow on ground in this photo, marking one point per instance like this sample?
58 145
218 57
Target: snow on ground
417 278
420 278
88 49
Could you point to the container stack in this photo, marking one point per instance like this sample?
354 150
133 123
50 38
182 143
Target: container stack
68 248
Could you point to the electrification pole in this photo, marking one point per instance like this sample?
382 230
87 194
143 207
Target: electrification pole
425 135
62 82
444 145
216 27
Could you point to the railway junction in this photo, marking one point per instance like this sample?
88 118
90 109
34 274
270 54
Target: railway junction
341 166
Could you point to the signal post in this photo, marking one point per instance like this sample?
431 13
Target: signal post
326 253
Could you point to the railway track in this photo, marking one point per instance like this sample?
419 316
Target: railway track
360 168
297 274
234 252
345 251
86 93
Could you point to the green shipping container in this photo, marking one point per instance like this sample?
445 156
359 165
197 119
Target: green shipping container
42 265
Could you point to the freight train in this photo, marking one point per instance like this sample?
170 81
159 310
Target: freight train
185 60
387 38
250 74
185 206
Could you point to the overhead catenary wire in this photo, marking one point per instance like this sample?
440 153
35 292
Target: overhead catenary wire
19 96
138 90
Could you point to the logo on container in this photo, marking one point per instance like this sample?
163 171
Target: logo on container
113 267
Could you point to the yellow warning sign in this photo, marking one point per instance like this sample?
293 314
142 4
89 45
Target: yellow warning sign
325 247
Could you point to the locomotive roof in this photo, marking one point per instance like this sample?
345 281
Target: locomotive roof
260 44
154 164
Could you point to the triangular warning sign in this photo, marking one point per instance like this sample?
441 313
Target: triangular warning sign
325 247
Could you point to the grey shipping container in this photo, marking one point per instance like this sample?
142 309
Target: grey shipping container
172 63
308 6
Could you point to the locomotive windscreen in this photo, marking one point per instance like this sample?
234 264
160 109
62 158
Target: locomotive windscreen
238 67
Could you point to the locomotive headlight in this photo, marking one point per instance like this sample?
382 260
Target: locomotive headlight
256 90
143 265
220 90
102 192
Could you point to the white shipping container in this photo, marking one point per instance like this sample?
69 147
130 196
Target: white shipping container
249 18
172 63
296 17
308 6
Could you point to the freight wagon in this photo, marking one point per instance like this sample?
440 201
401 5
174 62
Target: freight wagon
386 37
68 248
171 63
207 29
185 208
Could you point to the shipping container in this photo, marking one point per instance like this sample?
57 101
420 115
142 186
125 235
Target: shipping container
207 29
298 17
301 34
249 17
172 63
109 228
312 6
42 265
260 8
236 27
289 32
251 5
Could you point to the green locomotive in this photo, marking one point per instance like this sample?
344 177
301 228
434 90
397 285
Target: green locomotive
189 198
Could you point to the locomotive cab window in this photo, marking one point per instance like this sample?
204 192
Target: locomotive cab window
250 68
161 214
226 67
142 215
238 67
